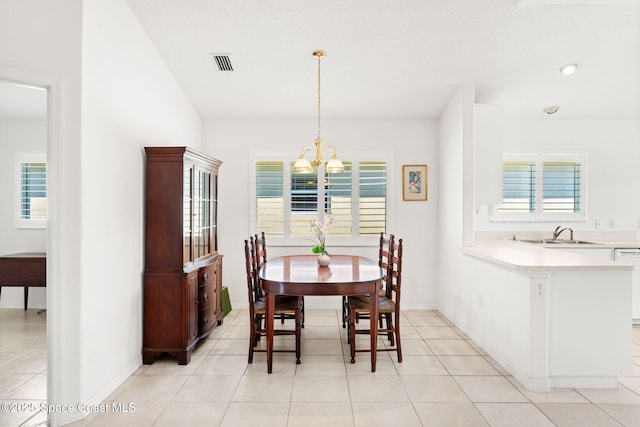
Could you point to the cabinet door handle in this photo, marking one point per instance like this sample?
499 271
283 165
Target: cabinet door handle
205 297
205 276
205 320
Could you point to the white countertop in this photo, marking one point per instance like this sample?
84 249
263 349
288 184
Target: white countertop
626 244
537 257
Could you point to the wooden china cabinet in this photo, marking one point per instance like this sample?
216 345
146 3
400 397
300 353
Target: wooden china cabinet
183 269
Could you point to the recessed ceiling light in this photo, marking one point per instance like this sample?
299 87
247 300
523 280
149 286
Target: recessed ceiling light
568 69
552 109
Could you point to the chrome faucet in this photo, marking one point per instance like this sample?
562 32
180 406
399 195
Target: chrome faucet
558 231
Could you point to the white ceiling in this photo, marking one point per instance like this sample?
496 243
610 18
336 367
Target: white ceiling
399 58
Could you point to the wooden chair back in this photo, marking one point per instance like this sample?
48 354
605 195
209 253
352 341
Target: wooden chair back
252 282
385 260
394 273
260 257
261 247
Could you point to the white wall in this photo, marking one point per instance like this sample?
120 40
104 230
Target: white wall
40 43
613 167
15 136
94 248
409 141
129 100
455 207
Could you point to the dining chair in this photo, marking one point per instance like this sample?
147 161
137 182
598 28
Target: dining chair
389 304
257 308
260 246
382 262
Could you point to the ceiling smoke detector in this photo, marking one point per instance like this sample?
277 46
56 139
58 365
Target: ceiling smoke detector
552 109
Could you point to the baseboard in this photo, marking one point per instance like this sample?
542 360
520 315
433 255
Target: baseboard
95 404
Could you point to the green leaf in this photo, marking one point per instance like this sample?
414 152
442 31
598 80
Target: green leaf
317 250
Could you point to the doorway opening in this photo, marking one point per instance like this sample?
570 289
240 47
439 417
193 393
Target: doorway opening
27 128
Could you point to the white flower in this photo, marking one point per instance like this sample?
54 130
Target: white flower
319 229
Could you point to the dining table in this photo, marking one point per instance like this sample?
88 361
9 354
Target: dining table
300 275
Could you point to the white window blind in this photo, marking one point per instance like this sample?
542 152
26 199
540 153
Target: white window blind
519 187
542 187
286 202
339 201
31 190
269 202
372 197
561 187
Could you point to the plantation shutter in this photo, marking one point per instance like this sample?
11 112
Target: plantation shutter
372 200
339 201
561 187
518 187
33 191
270 197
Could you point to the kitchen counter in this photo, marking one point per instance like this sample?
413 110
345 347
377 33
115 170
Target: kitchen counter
552 319
530 257
610 244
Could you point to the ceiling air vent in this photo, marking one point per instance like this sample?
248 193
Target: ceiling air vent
222 61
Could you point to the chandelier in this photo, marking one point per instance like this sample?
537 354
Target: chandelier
334 165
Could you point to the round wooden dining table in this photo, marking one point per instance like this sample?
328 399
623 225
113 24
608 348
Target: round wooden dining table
300 275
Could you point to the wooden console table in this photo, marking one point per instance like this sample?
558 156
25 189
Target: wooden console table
24 269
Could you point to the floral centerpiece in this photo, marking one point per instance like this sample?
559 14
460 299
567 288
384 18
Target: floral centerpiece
319 229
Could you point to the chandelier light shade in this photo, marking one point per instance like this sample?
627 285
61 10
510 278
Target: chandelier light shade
334 165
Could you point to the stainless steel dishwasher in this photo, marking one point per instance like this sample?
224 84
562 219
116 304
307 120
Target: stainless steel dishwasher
632 256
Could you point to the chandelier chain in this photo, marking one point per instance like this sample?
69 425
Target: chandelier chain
334 164
319 57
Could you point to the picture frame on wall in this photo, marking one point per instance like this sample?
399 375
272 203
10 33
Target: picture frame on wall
414 182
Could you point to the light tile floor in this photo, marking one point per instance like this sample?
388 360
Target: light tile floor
23 367
444 380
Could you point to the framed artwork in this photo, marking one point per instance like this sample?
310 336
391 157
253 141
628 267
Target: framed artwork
414 182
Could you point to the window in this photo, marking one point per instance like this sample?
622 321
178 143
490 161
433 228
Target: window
286 202
542 187
31 190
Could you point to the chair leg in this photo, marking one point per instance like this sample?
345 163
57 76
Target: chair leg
345 318
352 334
258 327
344 311
396 327
252 340
301 311
298 334
390 334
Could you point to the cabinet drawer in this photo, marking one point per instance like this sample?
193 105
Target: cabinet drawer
207 319
206 295
208 274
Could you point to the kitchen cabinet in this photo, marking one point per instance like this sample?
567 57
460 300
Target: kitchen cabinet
625 255
552 318
183 268
631 256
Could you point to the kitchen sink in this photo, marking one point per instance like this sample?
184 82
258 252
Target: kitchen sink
583 242
557 241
